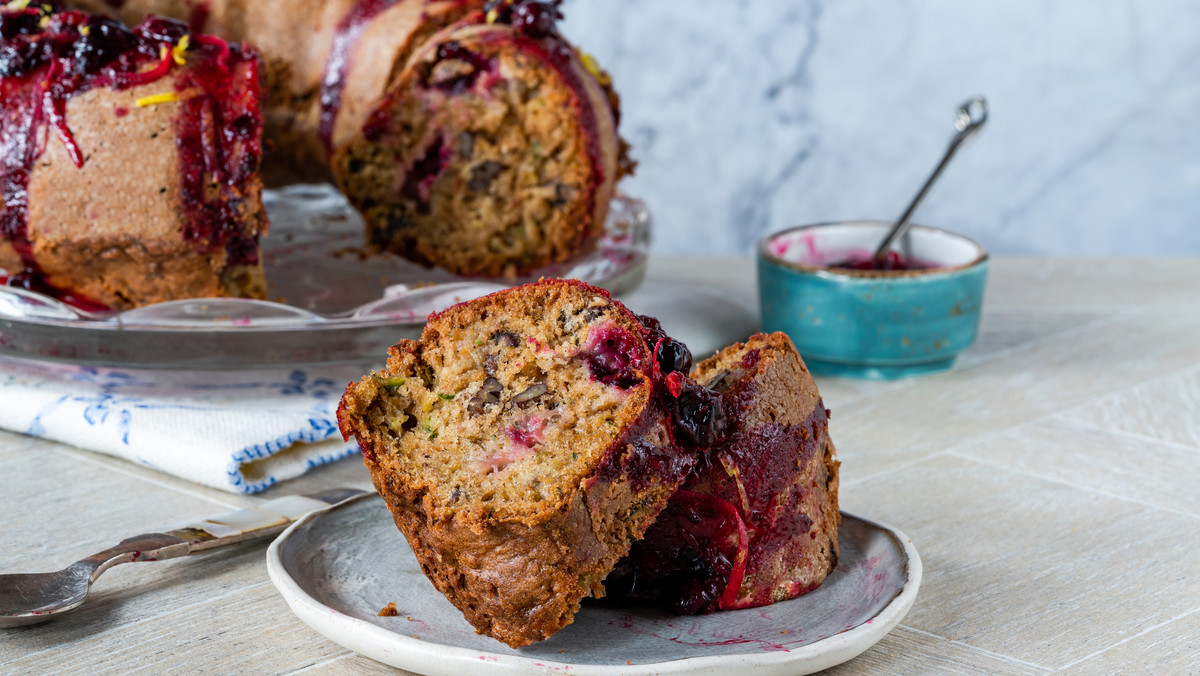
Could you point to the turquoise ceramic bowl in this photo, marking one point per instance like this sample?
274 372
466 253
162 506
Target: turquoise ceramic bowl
872 324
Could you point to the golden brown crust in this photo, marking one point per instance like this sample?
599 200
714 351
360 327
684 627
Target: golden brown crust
535 190
295 39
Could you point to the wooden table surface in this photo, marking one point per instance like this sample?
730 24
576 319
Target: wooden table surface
1050 482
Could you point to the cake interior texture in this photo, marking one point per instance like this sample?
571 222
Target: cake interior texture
522 444
493 154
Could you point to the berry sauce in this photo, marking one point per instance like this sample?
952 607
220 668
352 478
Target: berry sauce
345 41
680 564
535 18
198 15
613 356
696 562
48 56
228 76
892 261
419 179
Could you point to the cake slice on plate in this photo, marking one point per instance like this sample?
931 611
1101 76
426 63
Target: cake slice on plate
523 443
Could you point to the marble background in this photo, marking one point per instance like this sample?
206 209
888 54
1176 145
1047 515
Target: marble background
749 116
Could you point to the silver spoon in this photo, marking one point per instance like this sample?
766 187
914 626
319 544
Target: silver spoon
30 598
968 121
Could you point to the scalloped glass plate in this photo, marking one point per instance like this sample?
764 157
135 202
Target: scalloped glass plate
333 303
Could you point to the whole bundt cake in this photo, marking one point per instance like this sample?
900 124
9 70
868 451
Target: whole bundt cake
469 134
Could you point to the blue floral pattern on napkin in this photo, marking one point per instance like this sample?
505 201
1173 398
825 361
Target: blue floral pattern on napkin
241 432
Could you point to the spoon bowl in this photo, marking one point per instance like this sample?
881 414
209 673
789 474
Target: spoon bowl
32 598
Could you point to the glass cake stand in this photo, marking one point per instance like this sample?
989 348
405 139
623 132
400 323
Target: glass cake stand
333 303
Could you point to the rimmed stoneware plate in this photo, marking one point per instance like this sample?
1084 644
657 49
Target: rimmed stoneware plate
338 568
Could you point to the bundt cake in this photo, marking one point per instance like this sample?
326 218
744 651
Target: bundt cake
757 519
470 135
129 160
324 62
523 443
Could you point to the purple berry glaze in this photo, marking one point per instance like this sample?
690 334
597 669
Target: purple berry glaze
452 50
341 57
893 261
49 56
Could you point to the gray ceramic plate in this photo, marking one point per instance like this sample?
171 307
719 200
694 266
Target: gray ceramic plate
339 567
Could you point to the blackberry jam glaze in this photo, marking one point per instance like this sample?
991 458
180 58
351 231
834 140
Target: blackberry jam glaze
48 56
452 50
688 561
697 562
892 261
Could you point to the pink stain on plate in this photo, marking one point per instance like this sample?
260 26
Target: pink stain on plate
691 637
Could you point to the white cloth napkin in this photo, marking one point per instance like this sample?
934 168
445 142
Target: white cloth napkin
240 432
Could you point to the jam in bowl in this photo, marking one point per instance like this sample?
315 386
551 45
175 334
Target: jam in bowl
850 315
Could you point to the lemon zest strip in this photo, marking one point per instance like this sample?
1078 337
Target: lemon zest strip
178 51
592 66
166 97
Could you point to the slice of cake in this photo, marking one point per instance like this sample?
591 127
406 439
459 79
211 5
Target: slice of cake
494 153
130 160
757 520
523 443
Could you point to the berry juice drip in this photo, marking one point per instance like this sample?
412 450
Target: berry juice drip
48 56
218 140
345 42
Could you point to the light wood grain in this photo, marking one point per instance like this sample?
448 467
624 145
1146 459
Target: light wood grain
1160 475
250 627
1049 482
1173 648
1167 408
66 509
1030 568
907 650
939 412
1117 285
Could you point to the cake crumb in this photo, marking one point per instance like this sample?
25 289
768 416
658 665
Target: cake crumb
389 611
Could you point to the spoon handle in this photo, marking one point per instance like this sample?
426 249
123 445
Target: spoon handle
968 120
269 518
